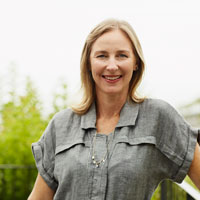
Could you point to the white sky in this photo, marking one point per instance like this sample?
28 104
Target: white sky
44 39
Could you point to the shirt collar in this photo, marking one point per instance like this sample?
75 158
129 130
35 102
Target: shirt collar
88 120
128 116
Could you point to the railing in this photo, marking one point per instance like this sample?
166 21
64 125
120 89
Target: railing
191 192
174 191
16 182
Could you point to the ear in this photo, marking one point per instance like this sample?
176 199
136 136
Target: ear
135 67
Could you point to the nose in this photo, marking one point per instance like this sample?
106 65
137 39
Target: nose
112 64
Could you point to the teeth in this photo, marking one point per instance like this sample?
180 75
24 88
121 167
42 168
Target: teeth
112 78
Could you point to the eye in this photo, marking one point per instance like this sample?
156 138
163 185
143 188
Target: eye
101 56
122 56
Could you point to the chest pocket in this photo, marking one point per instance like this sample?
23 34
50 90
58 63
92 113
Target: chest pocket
137 140
134 150
70 158
70 145
133 160
126 142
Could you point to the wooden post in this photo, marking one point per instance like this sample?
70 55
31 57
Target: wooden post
164 190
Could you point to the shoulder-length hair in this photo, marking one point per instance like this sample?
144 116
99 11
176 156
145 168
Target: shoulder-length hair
87 82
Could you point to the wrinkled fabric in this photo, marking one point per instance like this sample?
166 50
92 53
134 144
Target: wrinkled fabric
151 142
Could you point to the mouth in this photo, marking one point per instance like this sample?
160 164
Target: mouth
112 78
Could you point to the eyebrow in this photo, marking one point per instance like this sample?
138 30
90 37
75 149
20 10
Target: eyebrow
100 52
123 51
104 52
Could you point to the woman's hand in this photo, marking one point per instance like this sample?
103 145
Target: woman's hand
41 191
194 171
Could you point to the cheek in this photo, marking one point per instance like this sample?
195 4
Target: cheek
127 68
98 63
127 63
96 67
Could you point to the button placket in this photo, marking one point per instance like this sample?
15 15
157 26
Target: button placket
96 173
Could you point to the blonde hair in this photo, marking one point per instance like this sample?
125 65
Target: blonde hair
87 81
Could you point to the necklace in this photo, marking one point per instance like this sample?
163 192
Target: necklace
94 161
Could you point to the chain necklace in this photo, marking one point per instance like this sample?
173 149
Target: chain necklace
94 161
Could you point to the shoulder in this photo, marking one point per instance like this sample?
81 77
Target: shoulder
157 106
66 126
159 111
66 117
66 113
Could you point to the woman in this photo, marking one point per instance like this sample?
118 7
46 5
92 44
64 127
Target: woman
114 145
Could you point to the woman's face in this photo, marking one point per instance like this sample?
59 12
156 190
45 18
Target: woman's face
112 63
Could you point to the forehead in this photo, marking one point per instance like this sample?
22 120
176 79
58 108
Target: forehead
116 39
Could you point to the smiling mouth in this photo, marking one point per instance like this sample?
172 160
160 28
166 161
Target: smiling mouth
112 78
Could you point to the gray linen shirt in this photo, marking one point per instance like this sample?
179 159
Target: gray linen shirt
151 142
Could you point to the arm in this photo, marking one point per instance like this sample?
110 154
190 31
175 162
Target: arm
41 191
194 171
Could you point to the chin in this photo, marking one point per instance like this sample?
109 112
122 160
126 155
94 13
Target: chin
114 92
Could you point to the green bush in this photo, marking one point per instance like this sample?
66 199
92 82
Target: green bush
21 123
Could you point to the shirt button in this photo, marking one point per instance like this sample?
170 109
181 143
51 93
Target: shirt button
95 180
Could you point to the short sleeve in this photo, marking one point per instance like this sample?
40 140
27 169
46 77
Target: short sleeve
44 155
178 140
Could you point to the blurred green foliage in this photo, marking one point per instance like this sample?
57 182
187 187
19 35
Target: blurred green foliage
22 122
156 195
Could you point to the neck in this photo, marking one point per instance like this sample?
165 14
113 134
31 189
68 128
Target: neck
110 106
